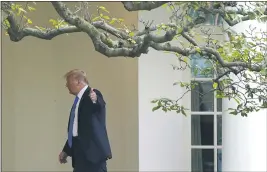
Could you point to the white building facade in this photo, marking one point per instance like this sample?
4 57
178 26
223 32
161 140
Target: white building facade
209 139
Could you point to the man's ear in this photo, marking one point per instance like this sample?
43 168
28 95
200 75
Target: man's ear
79 82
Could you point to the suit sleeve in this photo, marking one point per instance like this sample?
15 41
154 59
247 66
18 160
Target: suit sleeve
67 149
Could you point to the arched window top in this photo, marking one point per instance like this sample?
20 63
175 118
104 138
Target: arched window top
201 67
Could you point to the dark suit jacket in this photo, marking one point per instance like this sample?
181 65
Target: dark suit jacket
92 132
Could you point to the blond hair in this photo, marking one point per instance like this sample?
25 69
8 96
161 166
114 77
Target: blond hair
77 74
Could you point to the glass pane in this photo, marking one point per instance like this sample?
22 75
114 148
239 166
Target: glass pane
202 132
219 105
209 19
202 98
201 68
219 160
219 130
202 160
213 19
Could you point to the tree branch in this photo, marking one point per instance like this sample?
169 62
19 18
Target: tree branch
47 35
136 6
96 36
189 39
106 27
207 50
223 14
101 43
234 22
231 64
16 34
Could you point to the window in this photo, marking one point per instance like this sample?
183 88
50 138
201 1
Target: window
206 119
208 19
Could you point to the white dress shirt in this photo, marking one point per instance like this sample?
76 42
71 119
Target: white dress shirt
75 122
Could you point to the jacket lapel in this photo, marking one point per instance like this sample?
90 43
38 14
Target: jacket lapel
86 93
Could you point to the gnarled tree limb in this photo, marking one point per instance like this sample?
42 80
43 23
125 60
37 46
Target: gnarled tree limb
144 5
122 47
95 35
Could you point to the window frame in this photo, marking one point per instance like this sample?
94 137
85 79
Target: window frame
215 114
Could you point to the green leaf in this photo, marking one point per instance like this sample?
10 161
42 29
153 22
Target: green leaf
180 30
215 85
182 84
219 96
21 9
154 101
164 109
220 50
104 9
188 18
13 7
131 40
29 21
163 26
159 103
244 114
165 5
195 6
131 34
6 22
198 49
121 20
53 21
31 8
237 101
185 59
251 15
96 18
233 112
112 20
155 108
183 112
173 107
231 16
106 17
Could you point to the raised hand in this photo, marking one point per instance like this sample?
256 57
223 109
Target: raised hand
93 95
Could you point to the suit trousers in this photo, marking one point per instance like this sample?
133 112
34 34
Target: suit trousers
80 162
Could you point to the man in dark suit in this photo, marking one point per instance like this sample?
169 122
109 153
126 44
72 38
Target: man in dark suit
87 142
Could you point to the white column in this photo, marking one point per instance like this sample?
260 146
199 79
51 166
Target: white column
244 141
164 138
244 138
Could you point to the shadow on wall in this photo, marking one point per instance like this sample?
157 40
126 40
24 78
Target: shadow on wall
36 103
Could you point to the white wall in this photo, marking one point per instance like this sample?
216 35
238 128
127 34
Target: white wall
164 138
